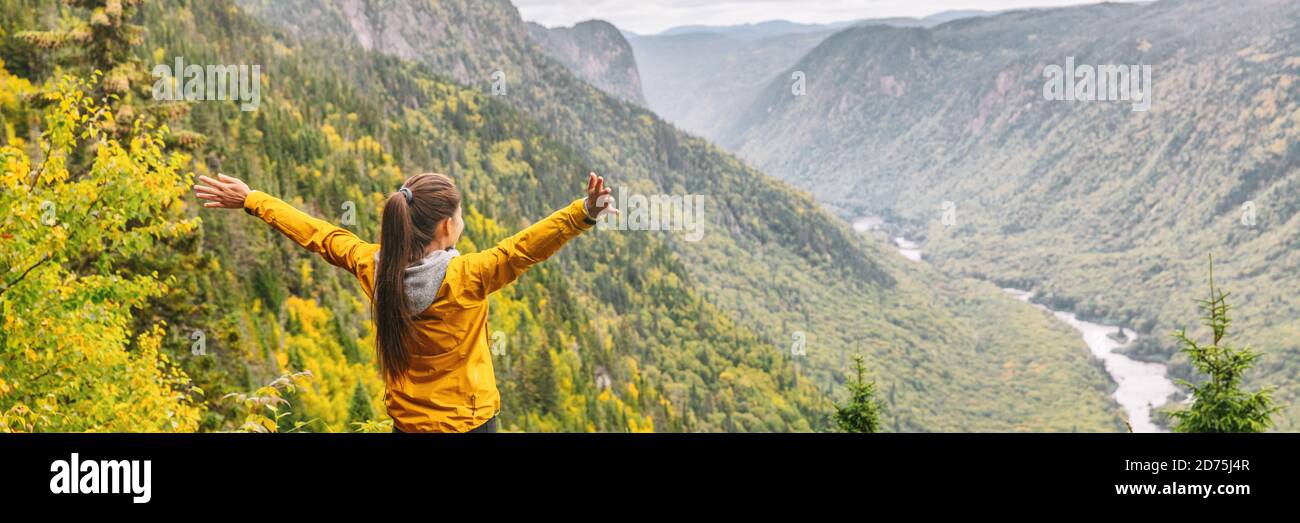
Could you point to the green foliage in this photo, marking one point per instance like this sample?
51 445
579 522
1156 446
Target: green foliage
1218 403
632 331
352 133
862 413
98 36
262 408
360 411
70 357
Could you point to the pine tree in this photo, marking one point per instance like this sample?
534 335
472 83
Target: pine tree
360 411
102 44
1218 402
862 414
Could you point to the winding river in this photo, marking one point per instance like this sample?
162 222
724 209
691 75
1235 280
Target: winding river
1141 386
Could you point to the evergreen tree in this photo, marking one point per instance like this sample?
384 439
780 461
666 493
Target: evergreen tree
101 44
102 41
1218 402
862 414
360 411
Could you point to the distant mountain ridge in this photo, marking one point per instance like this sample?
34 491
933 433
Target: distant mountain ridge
597 52
703 77
770 28
751 31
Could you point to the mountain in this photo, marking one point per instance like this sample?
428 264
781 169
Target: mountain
609 335
752 32
773 28
772 262
1097 206
622 330
702 77
597 52
701 81
944 17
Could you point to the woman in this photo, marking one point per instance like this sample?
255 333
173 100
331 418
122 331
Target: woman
429 301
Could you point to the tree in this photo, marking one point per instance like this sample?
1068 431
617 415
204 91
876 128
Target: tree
70 358
102 44
360 411
862 414
1218 402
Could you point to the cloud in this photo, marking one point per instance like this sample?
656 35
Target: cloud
653 16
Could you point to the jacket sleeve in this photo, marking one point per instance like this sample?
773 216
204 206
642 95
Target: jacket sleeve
339 246
495 268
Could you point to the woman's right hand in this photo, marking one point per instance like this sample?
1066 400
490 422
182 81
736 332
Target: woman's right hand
598 198
225 192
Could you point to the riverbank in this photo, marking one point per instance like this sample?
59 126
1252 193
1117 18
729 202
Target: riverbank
1141 386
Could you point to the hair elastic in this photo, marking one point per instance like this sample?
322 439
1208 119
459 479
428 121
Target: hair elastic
406 192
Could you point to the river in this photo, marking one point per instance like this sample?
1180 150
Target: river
1141 386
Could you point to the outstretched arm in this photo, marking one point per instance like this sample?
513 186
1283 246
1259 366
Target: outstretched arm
497 267
337 245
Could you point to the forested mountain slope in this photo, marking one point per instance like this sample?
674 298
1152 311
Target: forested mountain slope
597 52
1097 207
702 81
621 331
771 257
701 78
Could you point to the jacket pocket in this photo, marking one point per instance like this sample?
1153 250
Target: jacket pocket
474 382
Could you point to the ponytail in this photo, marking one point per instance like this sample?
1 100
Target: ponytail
410 218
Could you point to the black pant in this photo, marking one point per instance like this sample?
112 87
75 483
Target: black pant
487 426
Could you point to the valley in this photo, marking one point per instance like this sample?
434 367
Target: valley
1095 207
1021 264
1141 386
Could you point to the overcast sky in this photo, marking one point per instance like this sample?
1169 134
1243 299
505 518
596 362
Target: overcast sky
653 16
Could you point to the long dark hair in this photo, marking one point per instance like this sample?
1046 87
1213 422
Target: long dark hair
405 233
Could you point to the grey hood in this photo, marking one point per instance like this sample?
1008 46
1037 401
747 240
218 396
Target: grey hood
424 277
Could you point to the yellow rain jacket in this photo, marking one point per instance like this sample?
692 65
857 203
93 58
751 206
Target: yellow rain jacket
451 386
